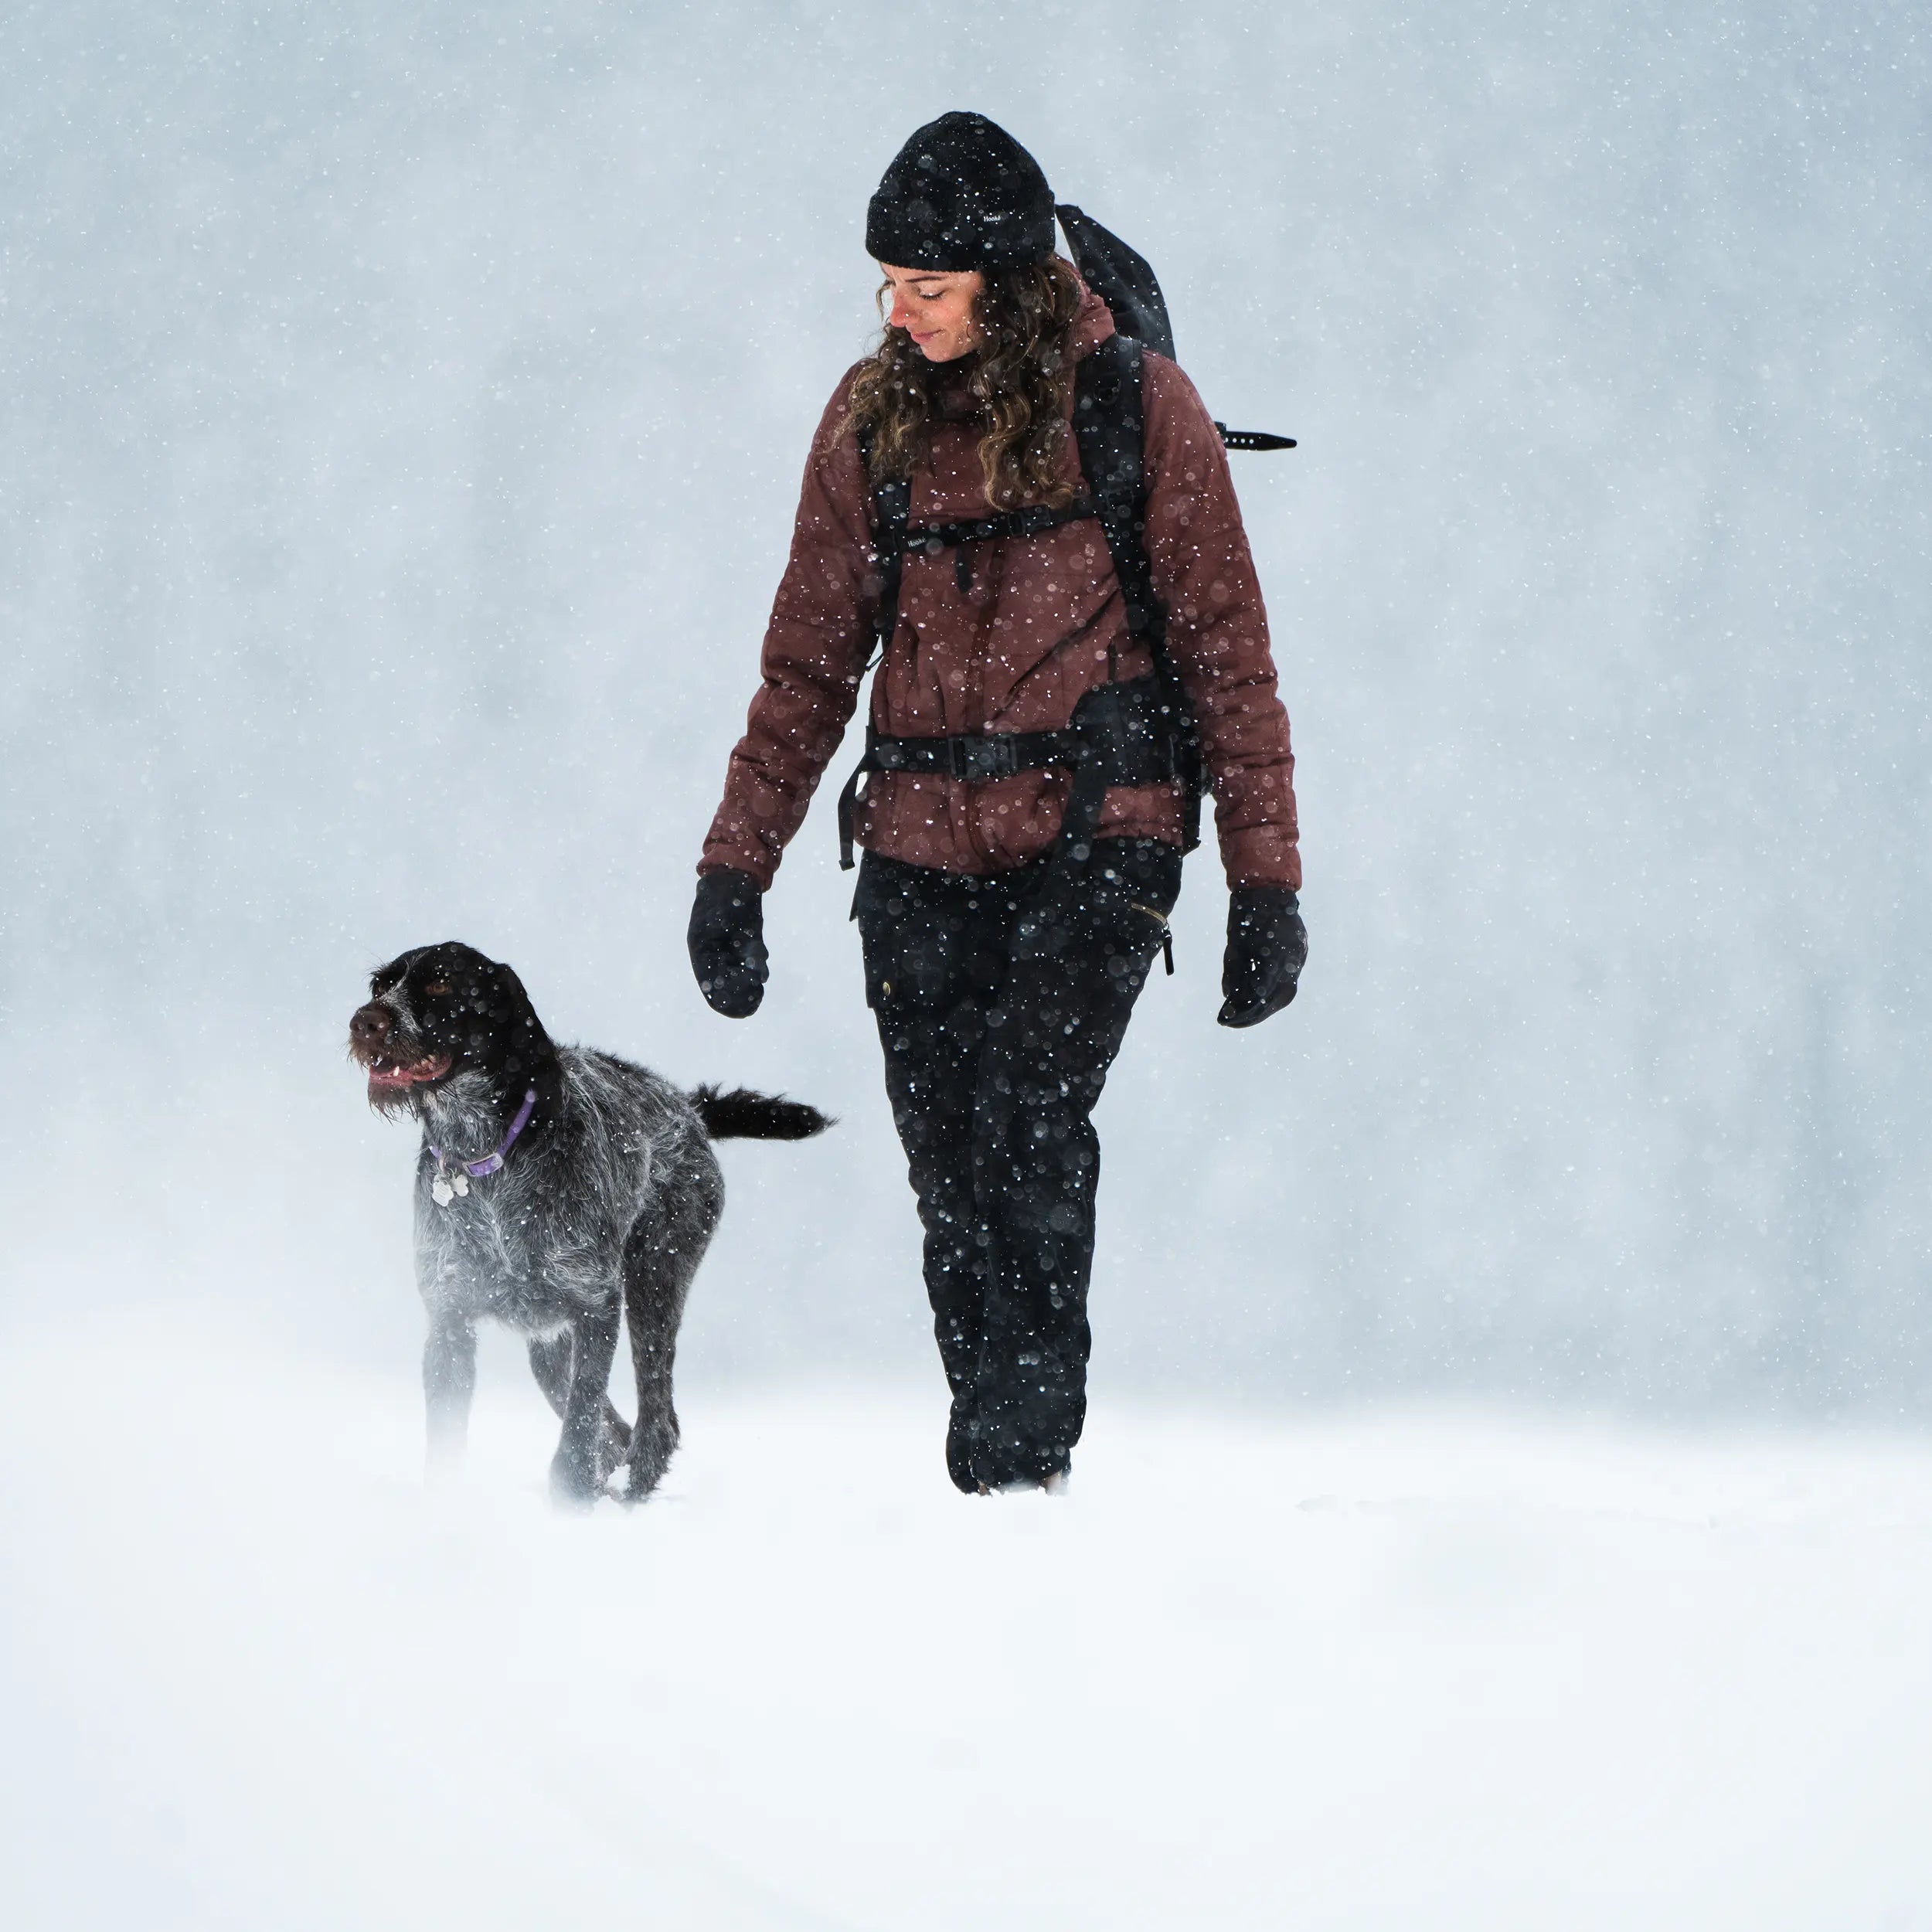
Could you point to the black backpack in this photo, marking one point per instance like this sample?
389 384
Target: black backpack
1123 280
1139 732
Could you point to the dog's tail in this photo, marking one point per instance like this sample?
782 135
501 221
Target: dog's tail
742 1115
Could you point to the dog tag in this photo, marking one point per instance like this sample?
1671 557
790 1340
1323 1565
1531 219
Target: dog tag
440 1192
460 1182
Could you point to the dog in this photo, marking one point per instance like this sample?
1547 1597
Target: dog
557 1190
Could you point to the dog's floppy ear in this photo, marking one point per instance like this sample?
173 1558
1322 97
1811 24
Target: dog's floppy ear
526 1046
511 1001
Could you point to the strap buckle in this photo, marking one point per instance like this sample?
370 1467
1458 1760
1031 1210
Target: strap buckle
988 756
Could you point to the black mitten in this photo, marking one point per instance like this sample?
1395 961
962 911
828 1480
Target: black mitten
727 941
1268 944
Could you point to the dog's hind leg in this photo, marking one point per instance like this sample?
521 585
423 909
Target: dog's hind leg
578 1471
449 1381
550 1363
661 1255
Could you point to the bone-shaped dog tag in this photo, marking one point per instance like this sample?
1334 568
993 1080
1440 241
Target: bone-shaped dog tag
460 1182
440 1192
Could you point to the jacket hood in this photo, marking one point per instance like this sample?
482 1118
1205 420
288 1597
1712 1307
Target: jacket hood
1093 324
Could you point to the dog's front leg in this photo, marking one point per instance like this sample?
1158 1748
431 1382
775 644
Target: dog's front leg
582 1462
449 1381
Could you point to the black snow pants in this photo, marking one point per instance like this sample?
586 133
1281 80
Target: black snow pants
1002 1002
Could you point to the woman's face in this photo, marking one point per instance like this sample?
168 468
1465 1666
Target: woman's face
936 310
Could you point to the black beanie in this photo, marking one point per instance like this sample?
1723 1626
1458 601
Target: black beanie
962 193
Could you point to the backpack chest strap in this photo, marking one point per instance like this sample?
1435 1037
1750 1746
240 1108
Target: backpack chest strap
930 539
1035 519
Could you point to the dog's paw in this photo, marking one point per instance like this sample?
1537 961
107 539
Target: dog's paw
574 1484
632 1485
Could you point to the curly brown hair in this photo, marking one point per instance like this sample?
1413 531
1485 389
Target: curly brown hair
1020 377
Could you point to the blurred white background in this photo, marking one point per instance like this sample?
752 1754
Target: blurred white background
404 406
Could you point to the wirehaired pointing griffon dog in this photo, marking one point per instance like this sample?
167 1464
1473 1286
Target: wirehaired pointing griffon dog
556 1191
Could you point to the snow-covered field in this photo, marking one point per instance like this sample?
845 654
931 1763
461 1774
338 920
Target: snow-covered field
1388 1669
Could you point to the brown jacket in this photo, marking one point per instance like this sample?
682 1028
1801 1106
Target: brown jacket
1016 652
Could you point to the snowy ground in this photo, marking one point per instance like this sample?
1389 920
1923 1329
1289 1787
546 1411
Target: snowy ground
1385 1670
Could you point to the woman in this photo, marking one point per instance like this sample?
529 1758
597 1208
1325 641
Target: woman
1002 961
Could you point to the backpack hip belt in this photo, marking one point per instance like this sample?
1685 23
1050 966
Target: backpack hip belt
1123 734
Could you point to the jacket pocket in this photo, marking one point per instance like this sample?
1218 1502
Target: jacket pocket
908 946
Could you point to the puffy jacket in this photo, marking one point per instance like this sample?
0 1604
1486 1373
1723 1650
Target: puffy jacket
1015 651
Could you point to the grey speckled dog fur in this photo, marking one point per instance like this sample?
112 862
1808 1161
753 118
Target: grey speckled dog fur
600 1210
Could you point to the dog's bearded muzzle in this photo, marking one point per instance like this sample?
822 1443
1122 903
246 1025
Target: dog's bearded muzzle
396 1062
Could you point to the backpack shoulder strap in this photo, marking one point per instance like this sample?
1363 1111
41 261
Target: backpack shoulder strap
1109 427
891 508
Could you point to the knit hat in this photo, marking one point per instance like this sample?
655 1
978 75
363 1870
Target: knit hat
962 194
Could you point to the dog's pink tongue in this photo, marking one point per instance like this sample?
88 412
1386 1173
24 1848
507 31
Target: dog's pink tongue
428 1069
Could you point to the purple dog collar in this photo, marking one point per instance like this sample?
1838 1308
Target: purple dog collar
491 1162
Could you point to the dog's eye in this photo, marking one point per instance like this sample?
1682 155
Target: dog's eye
437 988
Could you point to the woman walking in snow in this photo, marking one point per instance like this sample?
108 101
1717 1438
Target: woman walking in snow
1026 807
